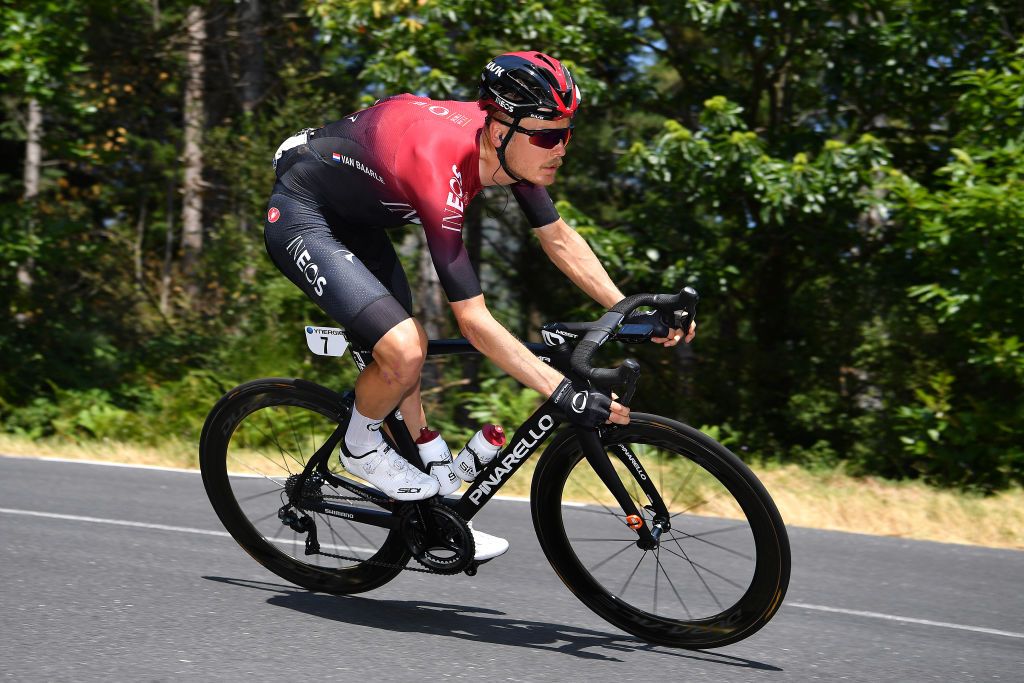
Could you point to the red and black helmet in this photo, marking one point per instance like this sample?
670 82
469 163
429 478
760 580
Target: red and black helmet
529 84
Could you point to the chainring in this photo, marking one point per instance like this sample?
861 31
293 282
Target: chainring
437 536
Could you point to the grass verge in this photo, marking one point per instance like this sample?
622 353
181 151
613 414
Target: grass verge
825 500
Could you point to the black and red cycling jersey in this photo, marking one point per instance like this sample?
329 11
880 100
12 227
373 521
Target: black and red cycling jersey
406 159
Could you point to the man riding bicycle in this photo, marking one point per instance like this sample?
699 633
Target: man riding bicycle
409 159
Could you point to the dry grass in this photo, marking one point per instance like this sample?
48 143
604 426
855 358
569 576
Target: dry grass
870 505
829 500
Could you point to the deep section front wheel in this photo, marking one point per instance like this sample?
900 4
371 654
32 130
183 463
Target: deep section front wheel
256 441
720 567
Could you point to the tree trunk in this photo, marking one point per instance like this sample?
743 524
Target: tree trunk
192 203
33 168
251 54
165 275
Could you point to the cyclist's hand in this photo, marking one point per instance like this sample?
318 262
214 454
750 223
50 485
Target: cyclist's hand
675 336
619 413
586 408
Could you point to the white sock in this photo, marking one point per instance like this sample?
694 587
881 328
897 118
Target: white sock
363 433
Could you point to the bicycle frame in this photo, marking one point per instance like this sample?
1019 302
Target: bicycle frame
526 440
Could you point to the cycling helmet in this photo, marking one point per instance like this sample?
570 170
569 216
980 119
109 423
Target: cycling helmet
530 84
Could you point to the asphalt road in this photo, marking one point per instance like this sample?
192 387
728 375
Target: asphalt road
118 573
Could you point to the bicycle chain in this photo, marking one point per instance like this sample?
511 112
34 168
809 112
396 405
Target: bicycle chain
373 563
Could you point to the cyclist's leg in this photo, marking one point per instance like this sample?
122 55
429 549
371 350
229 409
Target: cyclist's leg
329 270
401 349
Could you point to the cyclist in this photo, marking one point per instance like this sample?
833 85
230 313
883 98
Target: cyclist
409 159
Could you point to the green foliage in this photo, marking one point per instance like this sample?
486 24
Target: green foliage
842 181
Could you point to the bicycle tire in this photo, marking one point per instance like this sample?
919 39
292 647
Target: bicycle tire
711 467
316 406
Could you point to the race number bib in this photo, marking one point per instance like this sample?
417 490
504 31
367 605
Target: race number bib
326 341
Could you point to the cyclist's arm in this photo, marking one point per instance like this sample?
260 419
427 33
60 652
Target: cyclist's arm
574 257
492 339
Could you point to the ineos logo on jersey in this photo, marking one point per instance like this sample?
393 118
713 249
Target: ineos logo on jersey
452 216
579 402
304 261
273 214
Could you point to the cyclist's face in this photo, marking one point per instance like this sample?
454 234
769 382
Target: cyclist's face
533 162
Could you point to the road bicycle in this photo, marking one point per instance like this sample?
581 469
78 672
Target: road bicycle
653 525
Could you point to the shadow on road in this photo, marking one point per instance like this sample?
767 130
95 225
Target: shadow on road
477 624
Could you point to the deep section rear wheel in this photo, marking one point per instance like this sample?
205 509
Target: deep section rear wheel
255 442
719 571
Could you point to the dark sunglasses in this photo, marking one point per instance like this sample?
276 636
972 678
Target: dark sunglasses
547 138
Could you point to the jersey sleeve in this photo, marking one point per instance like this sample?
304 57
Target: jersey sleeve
536 203
434 185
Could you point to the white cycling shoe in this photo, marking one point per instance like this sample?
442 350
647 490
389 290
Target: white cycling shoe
487 547
390 472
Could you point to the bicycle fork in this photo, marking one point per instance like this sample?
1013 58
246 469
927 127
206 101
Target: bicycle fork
595 453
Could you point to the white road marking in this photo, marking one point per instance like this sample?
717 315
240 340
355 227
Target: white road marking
908 620
209 532
163 527
515 499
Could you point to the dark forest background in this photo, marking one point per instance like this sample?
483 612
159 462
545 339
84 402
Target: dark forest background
843 182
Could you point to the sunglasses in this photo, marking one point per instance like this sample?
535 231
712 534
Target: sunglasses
547 138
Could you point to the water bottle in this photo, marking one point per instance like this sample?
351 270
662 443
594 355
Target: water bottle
437 459
480 450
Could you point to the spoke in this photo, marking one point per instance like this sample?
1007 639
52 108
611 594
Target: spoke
717 531
280 448
361 534
678 597
276 483
613 540
686 481
295 436
260 495
273 438
622 592
715 545
694 566
596 500
657 565
697 565
339 541
608 559
606 511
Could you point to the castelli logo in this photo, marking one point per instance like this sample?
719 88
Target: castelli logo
273 214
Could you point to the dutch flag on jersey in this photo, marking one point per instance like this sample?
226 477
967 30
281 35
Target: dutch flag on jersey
336 157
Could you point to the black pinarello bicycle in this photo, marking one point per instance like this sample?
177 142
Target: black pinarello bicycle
653 525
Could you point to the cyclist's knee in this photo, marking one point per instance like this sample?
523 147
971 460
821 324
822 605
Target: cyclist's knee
400 353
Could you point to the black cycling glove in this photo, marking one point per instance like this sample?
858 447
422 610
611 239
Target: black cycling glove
582 408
